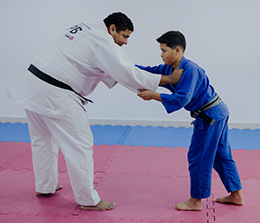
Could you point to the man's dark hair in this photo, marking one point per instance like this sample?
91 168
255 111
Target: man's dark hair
120 20
173 39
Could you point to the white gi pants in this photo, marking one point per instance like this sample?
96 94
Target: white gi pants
72 134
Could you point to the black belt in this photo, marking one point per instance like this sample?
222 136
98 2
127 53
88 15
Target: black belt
50 80
200 112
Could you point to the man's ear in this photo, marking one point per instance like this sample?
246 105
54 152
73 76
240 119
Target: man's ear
112 28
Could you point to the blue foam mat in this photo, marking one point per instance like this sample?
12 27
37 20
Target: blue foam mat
109 135
244 139
159 136
16 132
139 135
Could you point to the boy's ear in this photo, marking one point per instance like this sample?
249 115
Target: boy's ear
178 49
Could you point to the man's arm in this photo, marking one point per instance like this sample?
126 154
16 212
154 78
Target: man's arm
163 69
171 79
112 60
149 95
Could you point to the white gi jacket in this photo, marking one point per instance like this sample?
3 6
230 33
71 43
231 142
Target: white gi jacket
83 56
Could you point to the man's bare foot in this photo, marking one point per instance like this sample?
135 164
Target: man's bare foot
101 206
59 187
192 204
234 198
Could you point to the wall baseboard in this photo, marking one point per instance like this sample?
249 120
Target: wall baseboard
154 123
13 119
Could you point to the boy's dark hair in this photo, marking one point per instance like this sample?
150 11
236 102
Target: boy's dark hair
173 39
120 20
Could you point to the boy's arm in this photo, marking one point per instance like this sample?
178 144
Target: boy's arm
160 69
168 75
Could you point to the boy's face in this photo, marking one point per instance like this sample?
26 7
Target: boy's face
169 55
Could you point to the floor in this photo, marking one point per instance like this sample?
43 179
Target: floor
142 169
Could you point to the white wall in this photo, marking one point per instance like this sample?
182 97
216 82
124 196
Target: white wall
222 36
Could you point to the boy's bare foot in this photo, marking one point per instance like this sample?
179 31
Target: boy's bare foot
192 204
59 187
234 198
101 206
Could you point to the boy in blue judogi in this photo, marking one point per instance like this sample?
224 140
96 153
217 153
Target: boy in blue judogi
209 146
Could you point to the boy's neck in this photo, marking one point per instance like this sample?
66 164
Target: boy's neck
177 63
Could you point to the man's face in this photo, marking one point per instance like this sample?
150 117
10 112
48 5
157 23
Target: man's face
120 37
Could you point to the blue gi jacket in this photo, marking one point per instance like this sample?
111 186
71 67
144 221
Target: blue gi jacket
191 92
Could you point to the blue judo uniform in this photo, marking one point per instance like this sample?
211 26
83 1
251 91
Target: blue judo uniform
209 146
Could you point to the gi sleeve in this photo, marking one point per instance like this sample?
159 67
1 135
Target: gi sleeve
160 69
111 59
184 91
109 82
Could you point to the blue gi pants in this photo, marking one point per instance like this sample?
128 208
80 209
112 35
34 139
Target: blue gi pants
210 149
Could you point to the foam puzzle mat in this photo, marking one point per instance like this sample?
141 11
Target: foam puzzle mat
144 170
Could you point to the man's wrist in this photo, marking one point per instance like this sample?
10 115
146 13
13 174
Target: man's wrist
165 80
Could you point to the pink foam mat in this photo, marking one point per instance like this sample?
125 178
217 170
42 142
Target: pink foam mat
144 182
248 213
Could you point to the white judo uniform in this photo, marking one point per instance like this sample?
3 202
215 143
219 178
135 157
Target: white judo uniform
83 56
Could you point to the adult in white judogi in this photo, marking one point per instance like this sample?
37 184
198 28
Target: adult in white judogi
83 56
